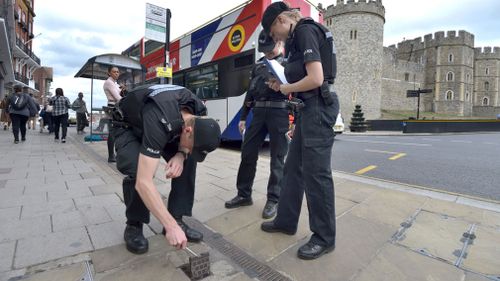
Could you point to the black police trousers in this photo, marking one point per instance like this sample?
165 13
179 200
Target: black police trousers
265 120
308 169
181 197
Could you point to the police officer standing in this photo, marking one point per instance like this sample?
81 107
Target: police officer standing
161 121
310 70
270 115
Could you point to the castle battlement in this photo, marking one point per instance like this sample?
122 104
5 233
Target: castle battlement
439 38
487 53
374 7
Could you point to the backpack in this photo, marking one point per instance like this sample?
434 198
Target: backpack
18 102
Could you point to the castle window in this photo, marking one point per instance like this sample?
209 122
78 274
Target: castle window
467 96
486 86
449 95
450 58
449 76
354 96
407 76
487 71
467 77
486 101
354 34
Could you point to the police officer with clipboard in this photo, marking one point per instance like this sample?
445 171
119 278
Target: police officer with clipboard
310 71
270 115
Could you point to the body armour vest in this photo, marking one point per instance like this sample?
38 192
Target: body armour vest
327 50
258 87
170 99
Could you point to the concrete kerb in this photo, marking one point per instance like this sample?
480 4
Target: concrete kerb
401 134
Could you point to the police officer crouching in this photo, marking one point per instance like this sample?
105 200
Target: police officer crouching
153 122
310 71
270 115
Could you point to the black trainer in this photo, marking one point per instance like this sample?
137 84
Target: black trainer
135 240
238 201
270 227
269 210
311 251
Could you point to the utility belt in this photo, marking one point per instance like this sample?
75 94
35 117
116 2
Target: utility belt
270 104
326 91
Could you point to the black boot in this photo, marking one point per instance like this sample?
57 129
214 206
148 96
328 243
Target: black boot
311 251
135 240
192 235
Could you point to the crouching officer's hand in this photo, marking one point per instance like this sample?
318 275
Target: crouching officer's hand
242 126
176 237
174 166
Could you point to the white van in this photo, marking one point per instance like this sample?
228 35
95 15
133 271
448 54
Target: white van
338 128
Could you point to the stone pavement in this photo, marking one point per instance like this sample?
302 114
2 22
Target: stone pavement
62 218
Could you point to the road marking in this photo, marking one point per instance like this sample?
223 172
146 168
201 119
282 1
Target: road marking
429 139
397 156
364 170
389 142
461 141
490 143
380 151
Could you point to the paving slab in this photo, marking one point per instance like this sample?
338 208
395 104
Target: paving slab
47 208
97 201
7 250
437 235
106 189
491 219
469 276
79 218
358 241
8 214
38 249
483 257
72 193
208 208
398 263
17 229
110 233
389 207
353 191
235 219
11 200
70 273
463 212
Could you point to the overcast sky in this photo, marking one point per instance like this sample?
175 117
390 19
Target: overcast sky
74 31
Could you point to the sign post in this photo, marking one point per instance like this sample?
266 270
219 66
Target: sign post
158 29
416 93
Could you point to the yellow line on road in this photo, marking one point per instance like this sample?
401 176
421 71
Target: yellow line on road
364 170
397 156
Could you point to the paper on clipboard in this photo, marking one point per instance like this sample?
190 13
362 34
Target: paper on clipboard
277 70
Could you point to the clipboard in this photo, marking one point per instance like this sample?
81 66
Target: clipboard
276 69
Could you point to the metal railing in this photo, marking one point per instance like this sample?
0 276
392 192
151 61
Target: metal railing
22 78
27 50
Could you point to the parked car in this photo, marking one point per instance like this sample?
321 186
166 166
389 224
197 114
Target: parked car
338 128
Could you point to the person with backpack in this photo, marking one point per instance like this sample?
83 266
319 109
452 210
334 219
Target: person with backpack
310 72
21 106
60 104
161 121
80 107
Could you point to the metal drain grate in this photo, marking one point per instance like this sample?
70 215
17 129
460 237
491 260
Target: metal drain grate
252 267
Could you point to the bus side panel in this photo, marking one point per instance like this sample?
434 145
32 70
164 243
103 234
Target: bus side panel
232 131
217 110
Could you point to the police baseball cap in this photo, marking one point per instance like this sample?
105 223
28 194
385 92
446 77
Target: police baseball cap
266 42
206 137
271 13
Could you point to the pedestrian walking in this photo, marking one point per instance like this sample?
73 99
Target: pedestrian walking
270 116
4 117
21 107
80 107
310 71
60 105
161 121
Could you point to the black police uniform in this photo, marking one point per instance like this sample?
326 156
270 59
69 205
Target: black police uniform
157 136
270 115
308 164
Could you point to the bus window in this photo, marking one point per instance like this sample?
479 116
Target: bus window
235 74
204 82
178 79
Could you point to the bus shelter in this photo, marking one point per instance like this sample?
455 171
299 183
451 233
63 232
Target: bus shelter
131 73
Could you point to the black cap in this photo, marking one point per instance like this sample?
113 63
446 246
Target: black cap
271 13
206 137
266 42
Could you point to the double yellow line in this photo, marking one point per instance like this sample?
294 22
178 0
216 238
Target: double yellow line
395 156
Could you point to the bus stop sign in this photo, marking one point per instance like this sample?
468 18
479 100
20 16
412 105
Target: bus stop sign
165 72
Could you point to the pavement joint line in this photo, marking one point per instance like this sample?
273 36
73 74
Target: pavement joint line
366 169
477 202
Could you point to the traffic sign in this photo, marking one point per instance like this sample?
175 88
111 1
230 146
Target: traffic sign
165 72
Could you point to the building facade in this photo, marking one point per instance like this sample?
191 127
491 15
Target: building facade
18 16
464 79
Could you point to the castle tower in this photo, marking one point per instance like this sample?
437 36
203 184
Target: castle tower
486 80
358 31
